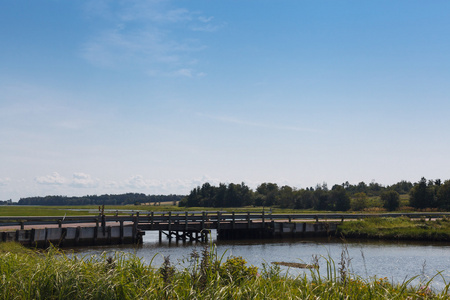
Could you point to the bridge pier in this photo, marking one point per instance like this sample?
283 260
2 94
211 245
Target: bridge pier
275 229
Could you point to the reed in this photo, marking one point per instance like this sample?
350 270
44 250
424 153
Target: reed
26 274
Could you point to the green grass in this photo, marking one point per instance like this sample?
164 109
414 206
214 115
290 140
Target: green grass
25 274
38 211
397 228
11 211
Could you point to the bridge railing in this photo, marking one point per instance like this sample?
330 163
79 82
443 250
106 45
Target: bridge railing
205 216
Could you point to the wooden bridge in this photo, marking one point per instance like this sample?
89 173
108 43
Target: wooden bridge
192 226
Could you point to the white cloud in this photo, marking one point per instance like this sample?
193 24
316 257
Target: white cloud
174 16
184 73
188 73
84 184
136 181
205 24
82 180
53 179
5 181
205 19
256 124
156 186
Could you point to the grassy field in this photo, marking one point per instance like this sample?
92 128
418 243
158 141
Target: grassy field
397 228
7 210
124 209
26 274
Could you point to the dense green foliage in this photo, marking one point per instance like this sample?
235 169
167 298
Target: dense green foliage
391 200
397 228
422 195
53 275
431 194
123 199
339 198
268 194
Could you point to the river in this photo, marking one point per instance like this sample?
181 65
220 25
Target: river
396 260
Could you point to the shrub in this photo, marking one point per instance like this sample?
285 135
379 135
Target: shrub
391 200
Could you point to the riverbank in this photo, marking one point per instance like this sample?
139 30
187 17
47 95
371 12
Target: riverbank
27 274
402 228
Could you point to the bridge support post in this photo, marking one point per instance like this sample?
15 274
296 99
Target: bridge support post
169 225
135 228
218 221
233 221
203 220
151 221
121 232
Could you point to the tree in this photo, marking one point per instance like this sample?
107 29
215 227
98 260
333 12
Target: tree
362 187
391 200
443 195
269 192
339 198
286 197
402 187
359 201
421 195
321 199
304 199
219 197
245 195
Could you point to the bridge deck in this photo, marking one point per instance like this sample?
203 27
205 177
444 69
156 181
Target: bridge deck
195 225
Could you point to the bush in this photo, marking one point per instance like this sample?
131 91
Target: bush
359 202
391 200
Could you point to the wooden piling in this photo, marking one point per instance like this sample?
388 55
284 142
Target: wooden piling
169 226
121 232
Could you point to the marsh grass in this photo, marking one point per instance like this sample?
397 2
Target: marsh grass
397 228
26 274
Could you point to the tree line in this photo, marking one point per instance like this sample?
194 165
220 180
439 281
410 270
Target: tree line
431 194
423 194
122 199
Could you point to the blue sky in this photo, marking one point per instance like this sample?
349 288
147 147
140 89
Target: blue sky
158 96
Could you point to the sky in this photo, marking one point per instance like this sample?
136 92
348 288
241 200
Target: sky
158 96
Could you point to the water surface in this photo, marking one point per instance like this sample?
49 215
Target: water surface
398 261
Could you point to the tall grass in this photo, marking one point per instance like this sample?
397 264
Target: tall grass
26 274
397 228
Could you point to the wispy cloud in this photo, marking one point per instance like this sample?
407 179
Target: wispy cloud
149 35
206 24
81 183
236 121
185 72
82 180
137 182
52 179
5 181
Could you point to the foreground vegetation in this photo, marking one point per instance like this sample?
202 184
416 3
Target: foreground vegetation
26 274
397 228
